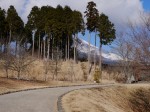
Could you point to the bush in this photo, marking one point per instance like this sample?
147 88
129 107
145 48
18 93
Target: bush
97 75
84 71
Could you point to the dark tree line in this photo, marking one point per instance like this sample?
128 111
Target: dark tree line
47 29
58 25
11 27
50 28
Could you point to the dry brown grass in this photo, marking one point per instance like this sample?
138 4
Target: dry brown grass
70 74
9 85
69 71
106 99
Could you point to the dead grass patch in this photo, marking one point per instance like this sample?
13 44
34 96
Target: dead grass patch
69 71
122 98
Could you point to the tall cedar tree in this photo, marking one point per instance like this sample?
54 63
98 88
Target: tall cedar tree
91 14
68 28
47 13
2 27
16 25
78 26
32 23
106 33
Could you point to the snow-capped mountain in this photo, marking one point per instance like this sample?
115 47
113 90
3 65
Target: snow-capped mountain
83 47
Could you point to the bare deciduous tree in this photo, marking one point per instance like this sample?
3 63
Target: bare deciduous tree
53 66
125 50
17 63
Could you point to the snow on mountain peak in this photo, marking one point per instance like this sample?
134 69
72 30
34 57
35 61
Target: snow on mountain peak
83 47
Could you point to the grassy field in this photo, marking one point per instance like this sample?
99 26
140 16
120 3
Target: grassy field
124 98
34 76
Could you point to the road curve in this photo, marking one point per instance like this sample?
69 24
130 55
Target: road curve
41 100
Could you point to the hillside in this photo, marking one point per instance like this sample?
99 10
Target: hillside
122 98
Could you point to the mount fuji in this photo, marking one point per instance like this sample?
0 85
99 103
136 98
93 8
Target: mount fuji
82 49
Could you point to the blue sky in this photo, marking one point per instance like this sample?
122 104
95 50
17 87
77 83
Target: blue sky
146 4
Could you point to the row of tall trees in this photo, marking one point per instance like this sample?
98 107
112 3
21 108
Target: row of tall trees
47 29
11 27
100 24
50 29
57 26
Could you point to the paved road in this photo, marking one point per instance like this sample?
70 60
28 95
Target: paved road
42 100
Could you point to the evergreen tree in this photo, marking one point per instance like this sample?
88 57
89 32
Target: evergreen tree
78 26
91 14
48 21
32 23
16 25
60 28
33 18
2 27
106 32
68 28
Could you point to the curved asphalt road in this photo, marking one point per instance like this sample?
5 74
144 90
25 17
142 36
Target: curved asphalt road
41 100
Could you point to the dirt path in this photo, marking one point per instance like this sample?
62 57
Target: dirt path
42 100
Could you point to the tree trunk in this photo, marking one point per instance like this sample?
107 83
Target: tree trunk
48 47
39 46
16 49
18 74
89 55
68 47
8 46
74 48
61 48
52 48
100 60
41 49
7 73
95 53
33 46
57 63
0 47
26 46
44 50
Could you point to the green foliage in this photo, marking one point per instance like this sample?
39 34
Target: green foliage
33 18
106 30
77 22
97 75
59 23
91 14
15 23
2 21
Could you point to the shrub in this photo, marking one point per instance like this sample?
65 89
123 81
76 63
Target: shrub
97 75
84 71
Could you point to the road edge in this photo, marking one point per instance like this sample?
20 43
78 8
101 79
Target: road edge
59 101
44 87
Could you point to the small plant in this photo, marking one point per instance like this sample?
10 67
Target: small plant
84 71
97 75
